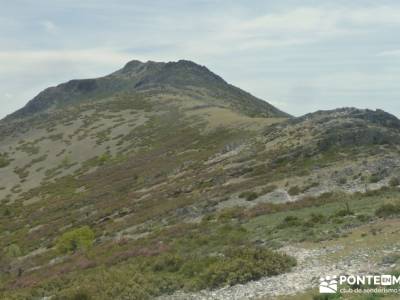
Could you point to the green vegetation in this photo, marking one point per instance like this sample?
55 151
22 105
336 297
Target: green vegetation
312 219
76 239
374 178
268 189
186 256
294 190
29 148
290 221
216 252
235 265
242 265
394 181
167 273
4 160
155 181
13 251
388 210
249 196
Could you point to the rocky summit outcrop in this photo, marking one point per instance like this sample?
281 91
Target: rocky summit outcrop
342 128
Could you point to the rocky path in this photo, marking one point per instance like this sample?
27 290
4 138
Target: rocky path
312 264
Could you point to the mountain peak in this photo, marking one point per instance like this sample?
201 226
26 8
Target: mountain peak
136 68
137 76
173 73
185 63
132 64
137 65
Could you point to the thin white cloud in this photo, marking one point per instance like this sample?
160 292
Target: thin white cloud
358 81
276 29
293 27
16 61
49 26
379 15
292 21
390 53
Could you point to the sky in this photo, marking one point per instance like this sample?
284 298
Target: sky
300 56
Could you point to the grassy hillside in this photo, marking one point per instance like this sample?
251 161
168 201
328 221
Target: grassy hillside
162 180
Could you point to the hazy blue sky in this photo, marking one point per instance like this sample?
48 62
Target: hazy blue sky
298 55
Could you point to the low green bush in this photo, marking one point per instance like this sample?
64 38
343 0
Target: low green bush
13 251
290 221
364 218
239 266
167 263
388 210
315 219
394 181
343 213
374 178
149 277
269 188
249 196
4 161
76 239
233 266
294 190
81 295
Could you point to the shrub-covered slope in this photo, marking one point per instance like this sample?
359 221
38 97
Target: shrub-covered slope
161 177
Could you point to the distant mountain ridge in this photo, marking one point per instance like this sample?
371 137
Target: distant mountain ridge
137 76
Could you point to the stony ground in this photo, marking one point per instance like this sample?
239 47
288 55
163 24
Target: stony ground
312 264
